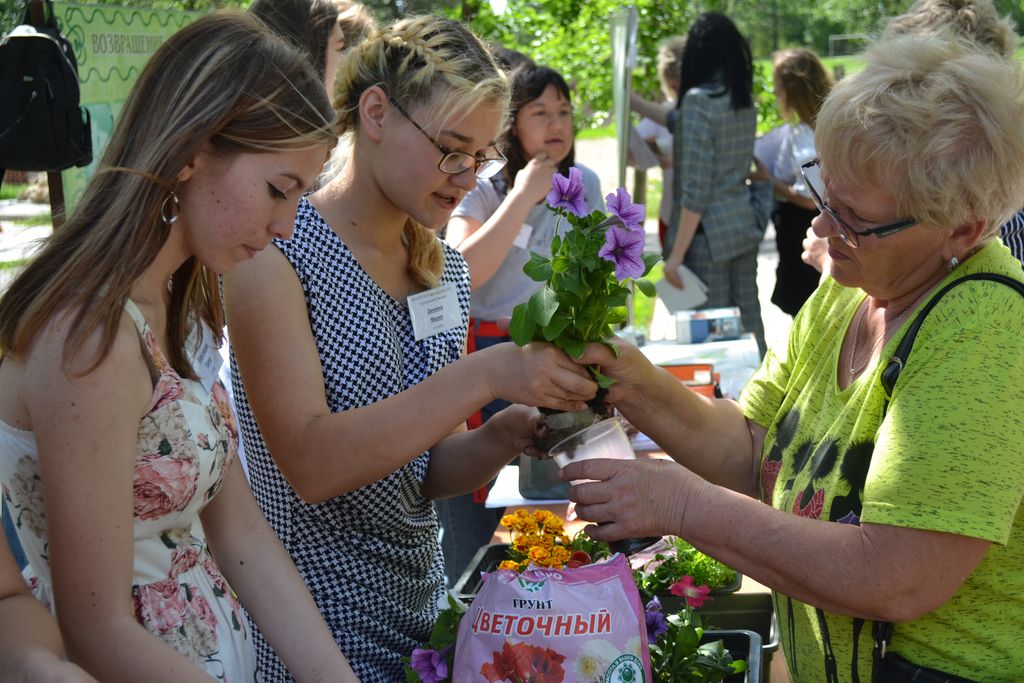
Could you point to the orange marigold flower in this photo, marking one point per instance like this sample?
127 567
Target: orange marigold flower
509 564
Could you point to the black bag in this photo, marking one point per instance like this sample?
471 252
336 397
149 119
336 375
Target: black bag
42 126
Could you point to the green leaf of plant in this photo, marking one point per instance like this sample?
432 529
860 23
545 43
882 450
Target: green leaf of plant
603 381
650 260
556 327
522 325
645 286
570 346
538 268
543 305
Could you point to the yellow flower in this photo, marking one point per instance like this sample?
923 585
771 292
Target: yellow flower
509 564
538 555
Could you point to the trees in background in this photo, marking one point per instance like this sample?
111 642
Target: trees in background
572 35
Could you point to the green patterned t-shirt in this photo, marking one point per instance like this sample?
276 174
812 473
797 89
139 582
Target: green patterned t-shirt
948 456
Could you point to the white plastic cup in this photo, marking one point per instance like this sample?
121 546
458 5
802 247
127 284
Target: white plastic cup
604 439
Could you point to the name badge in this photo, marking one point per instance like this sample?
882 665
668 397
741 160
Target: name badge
206 358
434 311
522 240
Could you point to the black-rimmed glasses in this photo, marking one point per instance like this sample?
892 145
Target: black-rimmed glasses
811 171
453 162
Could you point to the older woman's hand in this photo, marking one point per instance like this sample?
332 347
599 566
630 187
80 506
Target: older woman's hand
632 498
629 368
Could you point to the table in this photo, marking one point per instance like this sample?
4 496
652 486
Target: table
735 360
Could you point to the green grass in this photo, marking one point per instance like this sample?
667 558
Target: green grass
11 190
11 265
596 133
643 307
32 221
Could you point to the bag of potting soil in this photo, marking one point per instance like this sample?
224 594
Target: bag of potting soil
553 625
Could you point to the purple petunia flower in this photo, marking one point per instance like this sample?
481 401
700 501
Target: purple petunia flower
656 624
621 205
430 665
567 193
624 248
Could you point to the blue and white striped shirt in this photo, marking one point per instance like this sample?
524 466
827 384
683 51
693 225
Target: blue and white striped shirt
1013 235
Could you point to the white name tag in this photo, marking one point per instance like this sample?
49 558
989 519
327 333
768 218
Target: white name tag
206 359
434 311
523 238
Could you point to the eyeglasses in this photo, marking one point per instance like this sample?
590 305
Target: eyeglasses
811 171
453 162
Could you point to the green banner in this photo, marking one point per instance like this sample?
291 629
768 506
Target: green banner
111 44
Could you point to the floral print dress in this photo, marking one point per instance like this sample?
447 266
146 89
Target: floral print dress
186 441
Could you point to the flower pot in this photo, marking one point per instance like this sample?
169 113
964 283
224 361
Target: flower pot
540 479
745 645
562 424
743 611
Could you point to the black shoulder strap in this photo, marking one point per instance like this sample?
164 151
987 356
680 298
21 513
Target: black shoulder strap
882 630
899 359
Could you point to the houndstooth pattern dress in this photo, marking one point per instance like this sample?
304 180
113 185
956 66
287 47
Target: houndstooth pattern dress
370 557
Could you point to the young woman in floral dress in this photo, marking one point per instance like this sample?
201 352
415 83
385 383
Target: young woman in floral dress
117 450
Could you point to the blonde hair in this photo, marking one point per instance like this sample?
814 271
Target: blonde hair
416 61
355 21
224 80
937 122
801 83
976 21
670 63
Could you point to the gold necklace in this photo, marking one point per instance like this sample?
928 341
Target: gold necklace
862 313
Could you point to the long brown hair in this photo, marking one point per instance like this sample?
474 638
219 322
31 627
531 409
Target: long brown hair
224 80
419 60
801 83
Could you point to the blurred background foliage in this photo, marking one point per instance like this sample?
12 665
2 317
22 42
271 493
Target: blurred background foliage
572 35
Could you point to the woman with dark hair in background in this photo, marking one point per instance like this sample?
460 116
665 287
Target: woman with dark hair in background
315 27
714 229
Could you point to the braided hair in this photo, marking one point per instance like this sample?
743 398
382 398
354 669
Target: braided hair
418 60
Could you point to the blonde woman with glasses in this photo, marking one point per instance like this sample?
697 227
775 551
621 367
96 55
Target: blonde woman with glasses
879 499
117 449
347 341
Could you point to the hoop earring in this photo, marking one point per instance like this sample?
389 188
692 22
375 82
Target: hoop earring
170 209
953 263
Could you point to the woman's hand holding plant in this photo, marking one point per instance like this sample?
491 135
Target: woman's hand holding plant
537 374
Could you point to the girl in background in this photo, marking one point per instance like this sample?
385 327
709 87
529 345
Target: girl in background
801 84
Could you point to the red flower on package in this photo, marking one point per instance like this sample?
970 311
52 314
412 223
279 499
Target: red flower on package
524 663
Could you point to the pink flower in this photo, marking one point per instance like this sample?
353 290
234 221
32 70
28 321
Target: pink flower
624 248
168 389
161 605
201 608
163 485
567 193
183 559
621 204
695 595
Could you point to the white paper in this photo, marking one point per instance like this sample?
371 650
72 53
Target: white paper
434 311
640 155
693 294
